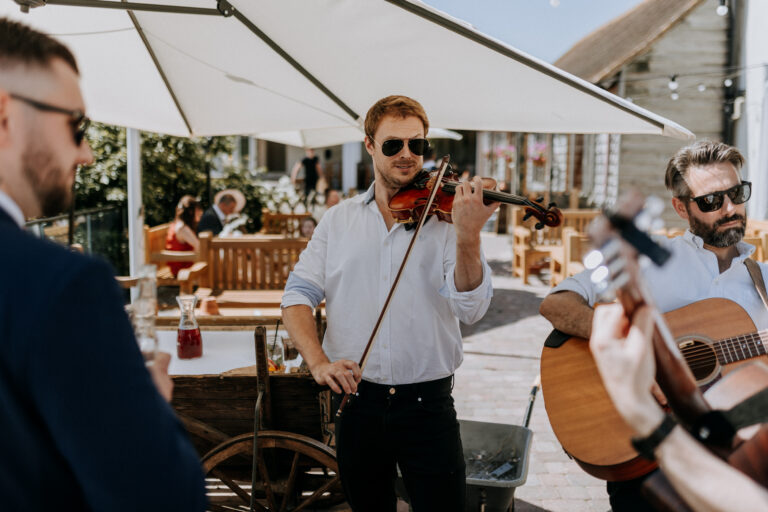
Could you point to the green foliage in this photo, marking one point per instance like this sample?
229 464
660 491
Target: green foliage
171 168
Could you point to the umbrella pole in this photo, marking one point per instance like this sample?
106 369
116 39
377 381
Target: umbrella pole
71 230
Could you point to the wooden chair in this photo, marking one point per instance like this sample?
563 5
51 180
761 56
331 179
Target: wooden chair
533 249
759 243
286 224
155 253
525 257
566 261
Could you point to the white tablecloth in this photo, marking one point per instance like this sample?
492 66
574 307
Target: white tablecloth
222 351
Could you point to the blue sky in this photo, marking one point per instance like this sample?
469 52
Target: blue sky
535 26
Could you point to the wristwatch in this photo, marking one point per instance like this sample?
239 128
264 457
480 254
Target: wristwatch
646 445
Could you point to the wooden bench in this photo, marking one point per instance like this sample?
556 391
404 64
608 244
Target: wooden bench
532 249
155 253
286 224
245 263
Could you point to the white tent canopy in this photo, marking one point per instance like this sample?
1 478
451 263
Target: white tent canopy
279 65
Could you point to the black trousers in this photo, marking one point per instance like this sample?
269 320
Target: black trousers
412 426
628 496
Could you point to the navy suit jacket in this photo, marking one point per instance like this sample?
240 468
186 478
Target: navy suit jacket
210 222
82 426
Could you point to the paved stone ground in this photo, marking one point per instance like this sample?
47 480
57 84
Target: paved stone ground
493 384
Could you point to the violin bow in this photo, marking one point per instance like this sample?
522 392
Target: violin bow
422 220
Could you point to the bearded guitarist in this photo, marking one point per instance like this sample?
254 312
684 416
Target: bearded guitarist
708 260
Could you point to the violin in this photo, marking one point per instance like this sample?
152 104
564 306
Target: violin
407 205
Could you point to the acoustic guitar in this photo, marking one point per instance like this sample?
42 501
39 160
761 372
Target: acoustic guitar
714 335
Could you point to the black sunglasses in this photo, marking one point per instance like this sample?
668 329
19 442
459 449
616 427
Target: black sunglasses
392 147
77 118
714 200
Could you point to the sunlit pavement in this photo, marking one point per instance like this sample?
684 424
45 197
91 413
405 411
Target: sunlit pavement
493 384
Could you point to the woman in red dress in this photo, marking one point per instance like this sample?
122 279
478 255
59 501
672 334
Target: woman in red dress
181 233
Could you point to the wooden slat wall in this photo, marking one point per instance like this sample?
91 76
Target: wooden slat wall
698 42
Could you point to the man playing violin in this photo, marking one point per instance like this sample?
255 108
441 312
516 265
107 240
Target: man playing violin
401 412
707 260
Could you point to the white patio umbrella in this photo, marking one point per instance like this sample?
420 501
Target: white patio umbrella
322 137
217 67
250 66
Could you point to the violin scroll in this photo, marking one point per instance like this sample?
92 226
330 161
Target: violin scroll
550 216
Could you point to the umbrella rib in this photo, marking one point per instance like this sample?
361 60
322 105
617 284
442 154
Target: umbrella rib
293 62
140 31
507 52
135 6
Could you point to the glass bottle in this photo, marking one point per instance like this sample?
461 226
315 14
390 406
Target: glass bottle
189 343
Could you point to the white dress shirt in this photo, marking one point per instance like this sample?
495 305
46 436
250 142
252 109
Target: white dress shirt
352 261
220 214
11 208
691 274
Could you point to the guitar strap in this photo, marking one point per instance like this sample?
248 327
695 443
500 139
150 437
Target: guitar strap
757 277
719 426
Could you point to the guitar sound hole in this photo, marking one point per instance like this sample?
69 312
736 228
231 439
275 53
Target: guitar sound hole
701 359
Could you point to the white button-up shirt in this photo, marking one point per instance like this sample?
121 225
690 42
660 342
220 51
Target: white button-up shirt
352 261
11 208
690 275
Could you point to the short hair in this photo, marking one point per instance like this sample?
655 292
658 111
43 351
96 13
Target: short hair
400 106
227 199
20 44
701 153
185 211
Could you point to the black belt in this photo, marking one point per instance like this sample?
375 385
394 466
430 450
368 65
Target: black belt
425 390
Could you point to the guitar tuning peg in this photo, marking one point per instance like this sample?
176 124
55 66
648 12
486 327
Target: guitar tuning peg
527 215
552 205
539 225
539 199
654 206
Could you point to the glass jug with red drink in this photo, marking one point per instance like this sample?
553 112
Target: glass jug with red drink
189 343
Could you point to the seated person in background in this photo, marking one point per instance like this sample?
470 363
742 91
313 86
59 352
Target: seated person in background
627 367
181 233
226 203
332 197
308 226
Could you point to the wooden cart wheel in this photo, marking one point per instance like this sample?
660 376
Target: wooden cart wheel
294 473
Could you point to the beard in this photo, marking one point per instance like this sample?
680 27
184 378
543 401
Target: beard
711 236
45 177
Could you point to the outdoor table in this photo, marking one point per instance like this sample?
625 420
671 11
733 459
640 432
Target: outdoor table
222 351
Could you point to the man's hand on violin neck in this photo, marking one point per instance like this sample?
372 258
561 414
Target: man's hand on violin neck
339 375
469 212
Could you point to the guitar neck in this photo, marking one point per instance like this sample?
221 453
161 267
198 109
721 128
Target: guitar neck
739 348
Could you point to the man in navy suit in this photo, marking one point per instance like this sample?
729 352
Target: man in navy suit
213 218
83 425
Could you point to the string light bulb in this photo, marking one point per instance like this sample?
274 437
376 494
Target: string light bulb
702 87
727 82
674 96
673 85
722 9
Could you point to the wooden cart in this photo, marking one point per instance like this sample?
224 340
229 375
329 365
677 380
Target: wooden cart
295 464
